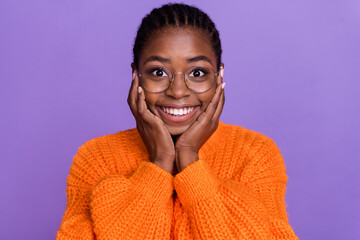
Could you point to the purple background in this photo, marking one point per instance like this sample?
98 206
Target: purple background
292 70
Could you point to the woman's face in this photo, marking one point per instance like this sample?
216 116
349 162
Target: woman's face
178 49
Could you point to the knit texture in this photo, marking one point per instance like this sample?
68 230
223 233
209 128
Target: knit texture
236 190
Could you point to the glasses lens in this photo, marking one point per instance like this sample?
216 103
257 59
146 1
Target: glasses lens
200 78
156 78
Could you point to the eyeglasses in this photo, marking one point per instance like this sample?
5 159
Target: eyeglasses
198 79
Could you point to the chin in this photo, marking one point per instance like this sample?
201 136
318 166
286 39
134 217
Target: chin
177 130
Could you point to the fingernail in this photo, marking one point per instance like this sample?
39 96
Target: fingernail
222 72
223 85
133 75
139 89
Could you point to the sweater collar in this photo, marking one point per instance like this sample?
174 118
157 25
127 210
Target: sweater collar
208 149
211 145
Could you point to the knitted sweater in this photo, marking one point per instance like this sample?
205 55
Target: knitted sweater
236 190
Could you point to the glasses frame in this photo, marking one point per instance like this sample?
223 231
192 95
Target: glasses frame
216 74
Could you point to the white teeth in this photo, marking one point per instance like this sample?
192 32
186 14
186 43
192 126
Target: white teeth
178 111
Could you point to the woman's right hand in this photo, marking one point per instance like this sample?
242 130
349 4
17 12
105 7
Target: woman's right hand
152 130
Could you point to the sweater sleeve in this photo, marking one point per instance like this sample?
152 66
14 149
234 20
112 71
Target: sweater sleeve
101 205
250 208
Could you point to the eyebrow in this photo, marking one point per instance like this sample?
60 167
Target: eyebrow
199 58
157 58
167 60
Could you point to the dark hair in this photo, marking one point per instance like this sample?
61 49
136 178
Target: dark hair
176 15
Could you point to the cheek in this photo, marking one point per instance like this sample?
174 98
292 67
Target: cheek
150 99
206 98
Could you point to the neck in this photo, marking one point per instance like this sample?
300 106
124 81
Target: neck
175 138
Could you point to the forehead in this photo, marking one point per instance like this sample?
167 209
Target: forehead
178 45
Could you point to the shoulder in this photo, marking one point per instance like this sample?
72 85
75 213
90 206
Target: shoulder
112 145
246 151
127 140
242 138
118 152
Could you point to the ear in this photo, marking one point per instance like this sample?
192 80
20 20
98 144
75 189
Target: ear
222 70
133 68
221 73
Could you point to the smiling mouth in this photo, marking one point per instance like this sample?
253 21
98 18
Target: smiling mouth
177 114
177 111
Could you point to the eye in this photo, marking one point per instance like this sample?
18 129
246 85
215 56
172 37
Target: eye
197 73
159 72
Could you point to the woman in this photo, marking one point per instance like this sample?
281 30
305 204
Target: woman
181 174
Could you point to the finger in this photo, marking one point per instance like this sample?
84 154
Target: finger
211 108
207 115
141 105
133 93
219 107
220 77
133 88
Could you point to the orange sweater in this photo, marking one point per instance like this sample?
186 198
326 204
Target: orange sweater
235 190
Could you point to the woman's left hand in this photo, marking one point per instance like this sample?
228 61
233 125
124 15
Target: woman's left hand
189 143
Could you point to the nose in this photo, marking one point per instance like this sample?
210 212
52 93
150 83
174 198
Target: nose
178 88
